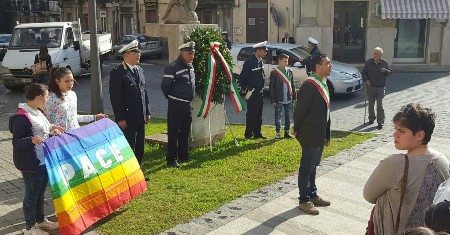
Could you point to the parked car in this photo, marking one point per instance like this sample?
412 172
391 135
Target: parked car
344 78
4 43
150 46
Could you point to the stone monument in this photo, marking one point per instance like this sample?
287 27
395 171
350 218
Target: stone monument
181 12
180 20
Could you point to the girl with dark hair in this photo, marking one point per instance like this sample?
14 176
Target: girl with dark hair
43 56
30 128
403 186
61 106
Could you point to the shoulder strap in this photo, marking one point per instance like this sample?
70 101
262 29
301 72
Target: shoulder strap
402 191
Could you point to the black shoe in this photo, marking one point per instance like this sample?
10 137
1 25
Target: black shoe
173 164
184 159
287 135
380 126
147 179
260 137
370 122
248 136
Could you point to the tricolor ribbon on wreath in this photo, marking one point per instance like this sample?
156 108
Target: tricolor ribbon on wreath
239 105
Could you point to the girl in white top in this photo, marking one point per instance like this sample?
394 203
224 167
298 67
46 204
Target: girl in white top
61 106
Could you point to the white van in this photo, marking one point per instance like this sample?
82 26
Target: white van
66 46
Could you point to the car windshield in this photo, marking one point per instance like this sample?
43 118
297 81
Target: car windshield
5 38
141 38
301 51
23 38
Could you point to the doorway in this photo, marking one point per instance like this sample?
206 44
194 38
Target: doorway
257 22
349 31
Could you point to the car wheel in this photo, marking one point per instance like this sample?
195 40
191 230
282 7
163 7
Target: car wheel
330 89
14 88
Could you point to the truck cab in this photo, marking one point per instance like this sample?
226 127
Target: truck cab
64 43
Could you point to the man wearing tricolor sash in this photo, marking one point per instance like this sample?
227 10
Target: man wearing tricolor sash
178 86
312 130
282 93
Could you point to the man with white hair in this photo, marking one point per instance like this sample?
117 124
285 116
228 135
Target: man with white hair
374 75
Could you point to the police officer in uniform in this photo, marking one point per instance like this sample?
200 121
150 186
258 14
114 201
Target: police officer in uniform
315 51
252 80
178 86
129 99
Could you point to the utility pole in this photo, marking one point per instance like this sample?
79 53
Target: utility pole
96 74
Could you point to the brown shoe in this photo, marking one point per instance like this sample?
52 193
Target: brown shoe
318 201
309 208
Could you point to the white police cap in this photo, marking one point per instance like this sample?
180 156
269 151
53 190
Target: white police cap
313 41
224 33
189 46
132 46
260 45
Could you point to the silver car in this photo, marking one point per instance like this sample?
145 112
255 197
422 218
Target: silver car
344 78
150 46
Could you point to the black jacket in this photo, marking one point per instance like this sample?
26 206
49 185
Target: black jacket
24 154
307 61
371 72
276 85
310 117
129 100
252 74
48 61
179 80
290 40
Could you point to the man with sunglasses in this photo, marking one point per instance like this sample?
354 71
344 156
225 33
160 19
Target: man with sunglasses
129 99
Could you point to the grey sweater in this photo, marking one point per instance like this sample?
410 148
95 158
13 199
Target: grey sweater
371 72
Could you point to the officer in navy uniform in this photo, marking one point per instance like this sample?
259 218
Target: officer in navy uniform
315 51
178 86
252 80
129 99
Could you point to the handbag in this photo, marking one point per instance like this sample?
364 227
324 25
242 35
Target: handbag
39 68
370 230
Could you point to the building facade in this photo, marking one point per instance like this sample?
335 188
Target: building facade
409 31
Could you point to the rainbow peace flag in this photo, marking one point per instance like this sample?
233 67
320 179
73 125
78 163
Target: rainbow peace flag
92 171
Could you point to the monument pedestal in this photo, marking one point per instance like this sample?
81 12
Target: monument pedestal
202 130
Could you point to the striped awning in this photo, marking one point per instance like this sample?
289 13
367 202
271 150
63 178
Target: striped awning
415 9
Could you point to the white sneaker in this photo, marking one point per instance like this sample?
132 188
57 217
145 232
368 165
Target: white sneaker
48 225
35 231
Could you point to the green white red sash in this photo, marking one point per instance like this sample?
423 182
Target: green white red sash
323 90
284 77
239 105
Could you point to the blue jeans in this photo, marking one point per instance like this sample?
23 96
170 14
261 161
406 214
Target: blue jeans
33 201
287 116
307 173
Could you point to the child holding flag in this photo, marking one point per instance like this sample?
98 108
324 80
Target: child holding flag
30 127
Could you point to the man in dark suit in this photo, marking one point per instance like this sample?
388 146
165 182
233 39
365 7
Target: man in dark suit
252 80
287 39
129 99
314 51
312 130
178 86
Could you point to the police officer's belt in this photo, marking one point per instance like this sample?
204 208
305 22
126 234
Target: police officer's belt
175 98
